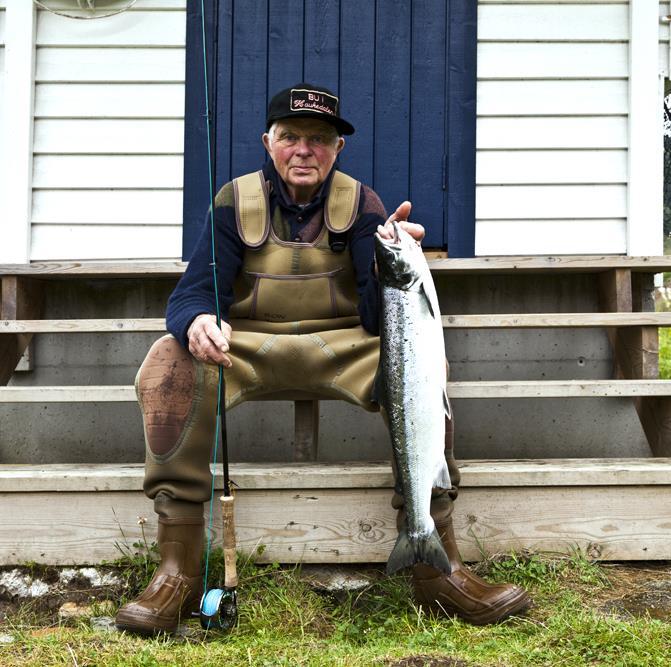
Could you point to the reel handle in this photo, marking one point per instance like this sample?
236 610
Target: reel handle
231 573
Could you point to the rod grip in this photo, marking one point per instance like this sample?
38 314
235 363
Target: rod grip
231 572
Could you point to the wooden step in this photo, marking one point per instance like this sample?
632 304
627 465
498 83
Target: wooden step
484 321
611 509
437 261
456 390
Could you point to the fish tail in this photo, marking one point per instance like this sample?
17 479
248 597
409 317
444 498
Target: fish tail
407 552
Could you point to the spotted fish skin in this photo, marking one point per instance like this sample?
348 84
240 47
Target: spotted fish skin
410 387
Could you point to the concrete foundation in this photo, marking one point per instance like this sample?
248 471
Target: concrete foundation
263 431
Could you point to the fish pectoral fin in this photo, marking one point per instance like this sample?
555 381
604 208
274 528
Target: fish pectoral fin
407 552
429 301
442 480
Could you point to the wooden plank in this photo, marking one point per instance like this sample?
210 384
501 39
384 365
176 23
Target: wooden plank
164 65
566 60
456 390
545 167
141 172
549 22
343 526
248 87
321 39
517 202
646 153
21 298
16 132
556 320
98 242
635 352
357 84
81 326
285 44
552 132
428 79
540 237
457 266
138 28
512 321
391 168
110 100
142 5
552 98
88 477
108 207
99 136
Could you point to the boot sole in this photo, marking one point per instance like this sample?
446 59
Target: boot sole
149 628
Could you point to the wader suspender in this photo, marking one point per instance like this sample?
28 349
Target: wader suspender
252 208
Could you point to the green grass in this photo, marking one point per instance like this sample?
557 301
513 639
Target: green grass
282 621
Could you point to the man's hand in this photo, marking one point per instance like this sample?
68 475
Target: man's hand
207 342
401 215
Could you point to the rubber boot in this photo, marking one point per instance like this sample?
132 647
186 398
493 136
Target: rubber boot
177 585
463 593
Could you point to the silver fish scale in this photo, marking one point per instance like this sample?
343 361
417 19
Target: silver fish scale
413 373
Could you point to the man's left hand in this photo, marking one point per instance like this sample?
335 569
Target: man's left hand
401 215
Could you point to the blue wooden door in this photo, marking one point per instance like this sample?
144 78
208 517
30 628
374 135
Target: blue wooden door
405 74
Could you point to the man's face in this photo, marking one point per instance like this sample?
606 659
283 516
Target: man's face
303 151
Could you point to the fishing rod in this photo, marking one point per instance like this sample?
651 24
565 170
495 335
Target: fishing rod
218 606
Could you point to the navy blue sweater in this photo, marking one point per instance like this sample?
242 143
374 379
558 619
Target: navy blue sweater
194 293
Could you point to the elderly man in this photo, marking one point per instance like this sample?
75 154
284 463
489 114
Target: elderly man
299 305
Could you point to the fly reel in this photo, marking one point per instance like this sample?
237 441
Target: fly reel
219 609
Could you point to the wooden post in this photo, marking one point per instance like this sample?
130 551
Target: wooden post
636 351
306 429
22 299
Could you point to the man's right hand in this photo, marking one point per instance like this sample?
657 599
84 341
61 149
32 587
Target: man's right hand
207 342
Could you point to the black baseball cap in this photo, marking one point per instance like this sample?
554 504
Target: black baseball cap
305 100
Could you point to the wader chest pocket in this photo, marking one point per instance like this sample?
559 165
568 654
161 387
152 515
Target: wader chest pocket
292 298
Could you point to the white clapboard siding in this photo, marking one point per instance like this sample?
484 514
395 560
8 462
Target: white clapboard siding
138 28
552 132
116 100
91 242
553 21
108 136
541 201
100 136
107 207
551 237
140 5
552 98
524 60
558 166
107 171
110 65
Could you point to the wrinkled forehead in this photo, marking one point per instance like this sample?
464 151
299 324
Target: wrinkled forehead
304 126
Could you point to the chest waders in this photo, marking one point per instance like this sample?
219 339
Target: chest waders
319 285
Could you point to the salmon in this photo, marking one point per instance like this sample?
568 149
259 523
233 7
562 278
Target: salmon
411 387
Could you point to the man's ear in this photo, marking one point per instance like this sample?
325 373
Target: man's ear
265 138
340 145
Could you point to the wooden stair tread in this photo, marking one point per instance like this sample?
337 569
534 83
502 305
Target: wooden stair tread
438 264
478 321
456 390
22 478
